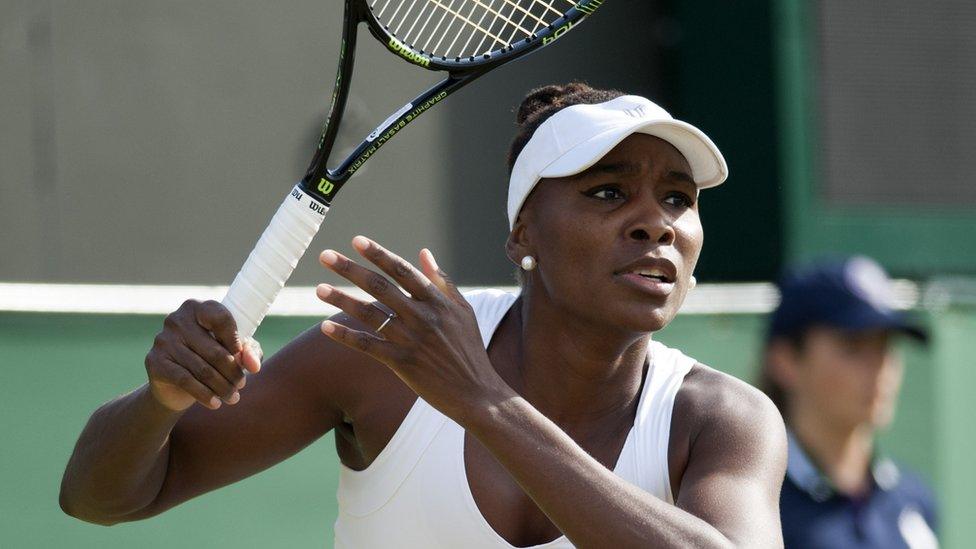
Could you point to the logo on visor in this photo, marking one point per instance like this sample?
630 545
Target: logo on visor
637 112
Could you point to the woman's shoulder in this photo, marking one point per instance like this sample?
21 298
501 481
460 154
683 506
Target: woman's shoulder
707 390
722 425
706 385
711 400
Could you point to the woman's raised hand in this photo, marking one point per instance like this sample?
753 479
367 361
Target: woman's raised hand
198 357
430 340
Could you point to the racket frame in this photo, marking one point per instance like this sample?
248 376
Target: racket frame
321 182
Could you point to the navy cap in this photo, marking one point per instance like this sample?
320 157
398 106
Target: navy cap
852 294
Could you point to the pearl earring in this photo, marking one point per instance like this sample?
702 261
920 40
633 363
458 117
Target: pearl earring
528 263
692 282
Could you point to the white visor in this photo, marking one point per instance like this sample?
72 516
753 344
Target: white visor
576 137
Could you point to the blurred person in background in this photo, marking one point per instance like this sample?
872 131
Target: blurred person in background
832 369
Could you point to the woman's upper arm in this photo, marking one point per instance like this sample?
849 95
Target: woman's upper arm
298 396
736 463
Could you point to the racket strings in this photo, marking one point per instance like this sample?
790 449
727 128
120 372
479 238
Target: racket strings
466 28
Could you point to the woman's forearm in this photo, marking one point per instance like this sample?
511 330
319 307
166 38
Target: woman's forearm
120 460
590 504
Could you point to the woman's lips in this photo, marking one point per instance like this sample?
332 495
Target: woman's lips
652 286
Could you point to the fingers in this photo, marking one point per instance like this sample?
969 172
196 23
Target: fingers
367 313
372 283
215 318
216 356
197 342
437 277
378 348
206 374
411 279
180 377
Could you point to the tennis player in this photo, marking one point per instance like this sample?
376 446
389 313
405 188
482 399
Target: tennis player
545 419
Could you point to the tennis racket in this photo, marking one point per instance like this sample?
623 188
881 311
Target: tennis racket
464 38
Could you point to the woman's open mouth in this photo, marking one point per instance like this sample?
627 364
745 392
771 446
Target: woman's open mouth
652 275
649 280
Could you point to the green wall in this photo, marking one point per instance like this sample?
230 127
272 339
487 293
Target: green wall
939 238
57 368
955 354
720 76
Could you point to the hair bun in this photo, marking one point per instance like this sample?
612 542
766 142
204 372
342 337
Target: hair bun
542 103
548 97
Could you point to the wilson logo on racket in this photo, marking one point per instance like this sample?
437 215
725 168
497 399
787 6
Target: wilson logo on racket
407 53
325 186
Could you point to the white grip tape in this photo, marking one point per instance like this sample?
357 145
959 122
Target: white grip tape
273 259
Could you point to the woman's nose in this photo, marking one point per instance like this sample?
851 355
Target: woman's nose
652 224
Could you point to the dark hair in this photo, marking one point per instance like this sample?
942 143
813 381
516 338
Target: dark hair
542 103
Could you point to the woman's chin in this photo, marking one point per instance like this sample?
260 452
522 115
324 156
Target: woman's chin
629 314
649 321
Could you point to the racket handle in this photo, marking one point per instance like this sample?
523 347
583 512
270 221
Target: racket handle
273 259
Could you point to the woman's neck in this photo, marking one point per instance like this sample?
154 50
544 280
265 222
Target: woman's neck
575 372
843 453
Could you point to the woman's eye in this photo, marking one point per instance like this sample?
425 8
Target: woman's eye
606 193
680 200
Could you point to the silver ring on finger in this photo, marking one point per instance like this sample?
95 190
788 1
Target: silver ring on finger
389 317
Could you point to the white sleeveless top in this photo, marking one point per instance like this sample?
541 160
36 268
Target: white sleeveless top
415 494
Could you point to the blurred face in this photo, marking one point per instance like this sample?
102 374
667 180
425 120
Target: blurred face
618 243
848 379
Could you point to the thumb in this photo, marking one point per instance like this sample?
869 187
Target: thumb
250 355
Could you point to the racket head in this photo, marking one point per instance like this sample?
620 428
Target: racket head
465 38
470 35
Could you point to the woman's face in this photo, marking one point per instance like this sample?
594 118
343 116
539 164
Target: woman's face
618 243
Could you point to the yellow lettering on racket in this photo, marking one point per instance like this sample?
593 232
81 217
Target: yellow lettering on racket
325 186
589 8
408 54
558 33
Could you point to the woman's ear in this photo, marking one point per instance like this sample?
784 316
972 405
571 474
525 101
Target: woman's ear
517 245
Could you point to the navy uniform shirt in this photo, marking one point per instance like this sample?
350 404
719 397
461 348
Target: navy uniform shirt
899 511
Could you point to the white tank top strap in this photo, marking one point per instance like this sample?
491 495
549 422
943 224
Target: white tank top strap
644 458
490 307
